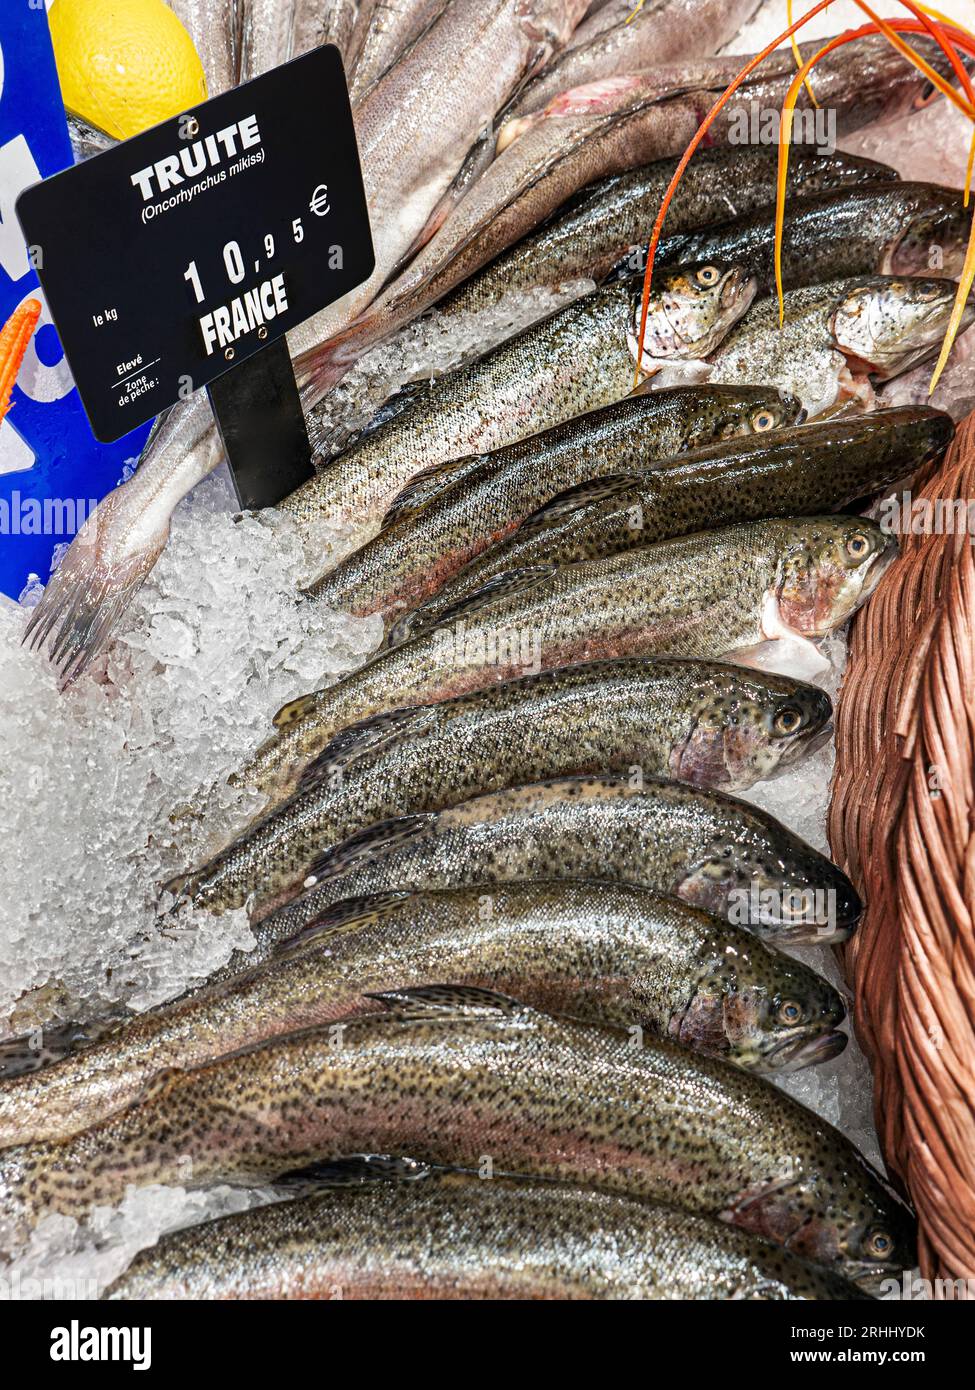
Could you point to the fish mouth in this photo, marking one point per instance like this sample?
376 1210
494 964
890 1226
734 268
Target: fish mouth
804 746
796 1053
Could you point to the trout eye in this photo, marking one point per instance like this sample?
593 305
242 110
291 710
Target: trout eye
878 1244
858 546
789 1011
708 275
763 420
787 721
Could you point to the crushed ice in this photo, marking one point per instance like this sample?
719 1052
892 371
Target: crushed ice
213 645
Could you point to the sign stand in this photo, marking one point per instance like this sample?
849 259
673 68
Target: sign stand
258 412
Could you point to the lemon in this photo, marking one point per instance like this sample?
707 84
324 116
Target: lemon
124 65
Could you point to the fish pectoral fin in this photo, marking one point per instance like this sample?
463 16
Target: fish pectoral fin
368 844
499 586
422 486
426 1001
572 499
356 1170
348 915
295 710
368 735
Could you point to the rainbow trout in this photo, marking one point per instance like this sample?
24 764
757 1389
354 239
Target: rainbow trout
421 546
456 1236
885 229
605 953
464 1078
603 129
709 724
607 222
706 595
577 360
708 849
838 338
826 464
618 37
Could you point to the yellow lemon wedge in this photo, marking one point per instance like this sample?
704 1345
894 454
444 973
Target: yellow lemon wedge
124 65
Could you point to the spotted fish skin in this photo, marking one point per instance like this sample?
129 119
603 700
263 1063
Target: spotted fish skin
809 469
709 849
455 1080
515 391
459 1236
884 229
605 953
704 595
706 722
468 504
838 338
601 224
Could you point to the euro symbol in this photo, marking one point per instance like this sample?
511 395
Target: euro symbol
319 200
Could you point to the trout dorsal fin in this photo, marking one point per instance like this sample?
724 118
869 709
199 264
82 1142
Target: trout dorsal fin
369 844
425 485
347 915
428 616
356 1170
447 1001
573 499
296 709
368 736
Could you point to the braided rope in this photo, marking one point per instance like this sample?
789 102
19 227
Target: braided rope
902 825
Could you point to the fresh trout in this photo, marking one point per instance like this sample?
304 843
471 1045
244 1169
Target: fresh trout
891 229
607 222
344 23
114 552
456 1236
627 125
619 38
265 31
448 515
837 339
416 126
605 953
452 1076
826 464
604 129
707 848
578 360
395 25
706 595
710 724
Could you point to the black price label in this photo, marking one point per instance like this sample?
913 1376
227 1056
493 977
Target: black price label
182 252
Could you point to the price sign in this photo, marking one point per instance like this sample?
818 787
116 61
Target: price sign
179 254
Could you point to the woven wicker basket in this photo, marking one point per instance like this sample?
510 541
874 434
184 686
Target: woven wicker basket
902 824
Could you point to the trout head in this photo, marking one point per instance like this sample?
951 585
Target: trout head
765 878
933 239
691 309
762 1010
747 725
828 567
885 326
844 1216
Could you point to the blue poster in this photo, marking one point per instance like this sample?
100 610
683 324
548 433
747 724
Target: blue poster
52 469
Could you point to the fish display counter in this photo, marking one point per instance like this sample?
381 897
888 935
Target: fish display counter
425 885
